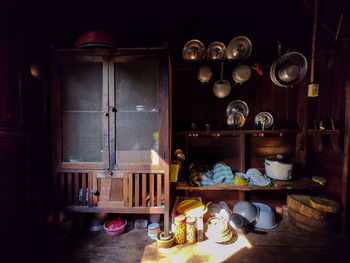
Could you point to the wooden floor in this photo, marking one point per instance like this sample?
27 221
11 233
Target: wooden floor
284 244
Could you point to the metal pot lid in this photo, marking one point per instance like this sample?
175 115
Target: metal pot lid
239 48
263 120
221 88
204 74
237 106
193 50
289 69
216 51
235 119
241 73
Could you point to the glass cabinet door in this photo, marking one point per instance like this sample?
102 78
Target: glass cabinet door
83 89
136 122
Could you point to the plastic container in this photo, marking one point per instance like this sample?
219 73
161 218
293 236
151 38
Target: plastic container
174 171
191 230
153 230
247 210
115 227
180 229
266 217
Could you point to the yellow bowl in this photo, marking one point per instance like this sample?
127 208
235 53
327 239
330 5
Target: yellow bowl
165 242
239 181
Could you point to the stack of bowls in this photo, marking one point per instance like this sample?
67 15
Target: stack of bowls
217 230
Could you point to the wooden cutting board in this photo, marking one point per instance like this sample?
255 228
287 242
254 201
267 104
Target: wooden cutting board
302 205
313 225
324 204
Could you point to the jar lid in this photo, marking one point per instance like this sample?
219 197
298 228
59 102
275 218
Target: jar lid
153 226
190 220
181 219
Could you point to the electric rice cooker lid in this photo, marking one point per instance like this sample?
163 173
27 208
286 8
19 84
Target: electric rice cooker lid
279 158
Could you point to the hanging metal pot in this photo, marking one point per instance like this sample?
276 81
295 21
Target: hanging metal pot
221 87
204 74
241 73
216 51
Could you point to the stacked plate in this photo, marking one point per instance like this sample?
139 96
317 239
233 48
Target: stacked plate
218 230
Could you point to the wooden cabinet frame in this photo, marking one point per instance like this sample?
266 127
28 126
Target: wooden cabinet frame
90 186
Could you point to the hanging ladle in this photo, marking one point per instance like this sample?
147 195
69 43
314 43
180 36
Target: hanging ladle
221 87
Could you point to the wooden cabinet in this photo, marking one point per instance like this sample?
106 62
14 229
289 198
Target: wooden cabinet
111 129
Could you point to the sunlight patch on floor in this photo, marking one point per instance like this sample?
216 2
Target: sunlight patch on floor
205 251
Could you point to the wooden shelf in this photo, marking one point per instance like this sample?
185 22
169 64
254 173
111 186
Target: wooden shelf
329 132
235 132
300 184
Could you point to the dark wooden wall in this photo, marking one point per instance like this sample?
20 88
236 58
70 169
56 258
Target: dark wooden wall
27 29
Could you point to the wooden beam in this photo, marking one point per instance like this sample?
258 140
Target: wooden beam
344 190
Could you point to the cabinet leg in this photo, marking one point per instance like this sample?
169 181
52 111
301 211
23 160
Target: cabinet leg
241 195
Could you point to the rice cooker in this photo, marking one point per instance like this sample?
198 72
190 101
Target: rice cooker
278 168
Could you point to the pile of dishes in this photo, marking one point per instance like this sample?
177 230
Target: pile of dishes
218 230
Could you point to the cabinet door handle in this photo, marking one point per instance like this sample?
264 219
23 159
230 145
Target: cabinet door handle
113 109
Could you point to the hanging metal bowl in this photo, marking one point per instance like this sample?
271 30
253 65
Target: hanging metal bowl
216 51
241 73
204 74
221 88
289 69
193 50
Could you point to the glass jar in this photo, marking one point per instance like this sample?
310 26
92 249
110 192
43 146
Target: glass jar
191 230
180 229
200 228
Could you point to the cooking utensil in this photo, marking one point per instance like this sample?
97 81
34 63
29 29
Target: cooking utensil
239 49
193 50
277 168
241 73
216 51
257 69
237 106
247 210
204 74
222 87
239 224
235 120
289 69
263 120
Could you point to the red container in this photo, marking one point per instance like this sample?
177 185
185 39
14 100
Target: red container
97 37
115 227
